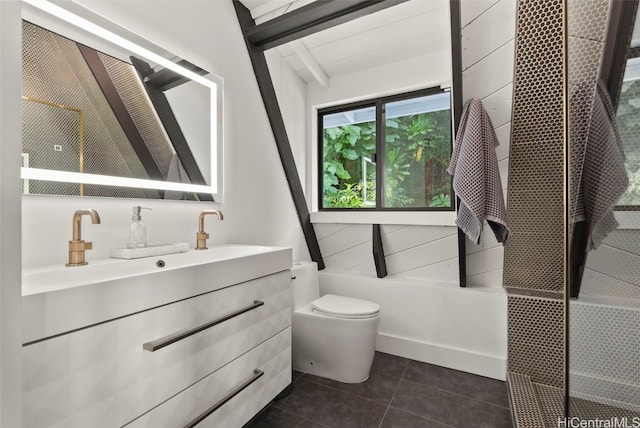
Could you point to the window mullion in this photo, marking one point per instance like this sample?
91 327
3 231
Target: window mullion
380 153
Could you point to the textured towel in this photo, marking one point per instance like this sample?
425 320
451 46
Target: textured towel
604 177
476 178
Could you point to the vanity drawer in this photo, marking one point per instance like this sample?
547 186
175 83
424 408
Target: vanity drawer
237 391
102 376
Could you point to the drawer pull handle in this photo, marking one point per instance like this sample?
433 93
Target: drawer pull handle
168 340
238 389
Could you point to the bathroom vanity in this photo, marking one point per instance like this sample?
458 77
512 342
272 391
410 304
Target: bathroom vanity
199 338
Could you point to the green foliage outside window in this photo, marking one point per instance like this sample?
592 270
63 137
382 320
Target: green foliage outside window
417 153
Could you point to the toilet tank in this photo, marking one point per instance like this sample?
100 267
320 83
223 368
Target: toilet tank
306 288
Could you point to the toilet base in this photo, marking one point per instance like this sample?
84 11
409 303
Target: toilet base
333 348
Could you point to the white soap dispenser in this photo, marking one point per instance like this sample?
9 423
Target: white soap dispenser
137 233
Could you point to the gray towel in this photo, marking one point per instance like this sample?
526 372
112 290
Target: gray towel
604 177
476 178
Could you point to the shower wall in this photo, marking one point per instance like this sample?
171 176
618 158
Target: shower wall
533 265
604 375
600 325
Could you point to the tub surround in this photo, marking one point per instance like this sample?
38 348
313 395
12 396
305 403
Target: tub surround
221 316
432 321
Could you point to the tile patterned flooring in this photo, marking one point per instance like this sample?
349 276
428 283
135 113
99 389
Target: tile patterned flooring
400 393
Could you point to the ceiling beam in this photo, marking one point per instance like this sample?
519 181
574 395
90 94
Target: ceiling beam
276 7
309 19
310 62
269 7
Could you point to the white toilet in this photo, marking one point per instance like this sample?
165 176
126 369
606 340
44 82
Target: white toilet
333 336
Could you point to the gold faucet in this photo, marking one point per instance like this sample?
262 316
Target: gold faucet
77 246
202 236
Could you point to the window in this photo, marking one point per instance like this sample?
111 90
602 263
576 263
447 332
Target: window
389 153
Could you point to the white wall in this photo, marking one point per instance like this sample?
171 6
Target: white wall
421 297
258 207
424 251
10 340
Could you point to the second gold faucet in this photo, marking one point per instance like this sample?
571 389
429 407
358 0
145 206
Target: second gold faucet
202 236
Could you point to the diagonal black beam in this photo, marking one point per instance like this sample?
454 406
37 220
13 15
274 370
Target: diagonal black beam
166 79
456 60
309 19
378 252
268 93
171 126
120 110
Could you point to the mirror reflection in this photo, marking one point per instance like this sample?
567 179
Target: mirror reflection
89 112
605 251
627 114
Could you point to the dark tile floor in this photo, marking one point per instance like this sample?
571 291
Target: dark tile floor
400 393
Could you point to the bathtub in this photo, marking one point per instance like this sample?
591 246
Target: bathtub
433 321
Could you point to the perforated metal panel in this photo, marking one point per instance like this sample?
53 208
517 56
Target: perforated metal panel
54 71
527 413
533 257
604 321
538 87
551 401
536 338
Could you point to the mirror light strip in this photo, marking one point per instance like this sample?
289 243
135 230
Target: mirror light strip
82 178
107 35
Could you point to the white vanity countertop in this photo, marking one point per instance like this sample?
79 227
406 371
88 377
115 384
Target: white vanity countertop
57 299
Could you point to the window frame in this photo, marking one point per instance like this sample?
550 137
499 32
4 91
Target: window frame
380 116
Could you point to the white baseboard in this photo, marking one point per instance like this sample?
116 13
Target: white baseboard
458 359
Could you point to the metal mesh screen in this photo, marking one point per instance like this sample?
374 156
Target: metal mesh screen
533 265
52 147
533 257
604 378
527 414
54 71
536 339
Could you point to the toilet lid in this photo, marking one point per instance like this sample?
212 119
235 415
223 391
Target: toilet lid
345 307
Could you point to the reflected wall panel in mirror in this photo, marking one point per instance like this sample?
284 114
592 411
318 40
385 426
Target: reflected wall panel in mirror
118 116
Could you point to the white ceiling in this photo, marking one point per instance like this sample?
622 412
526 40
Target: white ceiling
407 30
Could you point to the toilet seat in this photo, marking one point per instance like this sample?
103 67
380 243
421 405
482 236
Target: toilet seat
345 307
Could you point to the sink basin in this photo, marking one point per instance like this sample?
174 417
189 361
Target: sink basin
68 297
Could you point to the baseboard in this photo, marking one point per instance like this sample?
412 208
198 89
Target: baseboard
458 359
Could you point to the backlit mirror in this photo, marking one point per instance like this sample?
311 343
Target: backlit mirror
103 115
